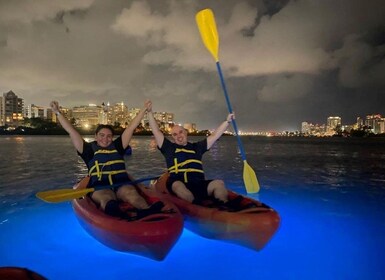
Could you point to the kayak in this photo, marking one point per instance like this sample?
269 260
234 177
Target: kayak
152 236
251 225
19 273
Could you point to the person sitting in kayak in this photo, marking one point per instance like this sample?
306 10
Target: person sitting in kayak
184 163
104 158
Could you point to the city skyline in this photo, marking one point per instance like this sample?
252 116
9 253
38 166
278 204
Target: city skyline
284 62
118 112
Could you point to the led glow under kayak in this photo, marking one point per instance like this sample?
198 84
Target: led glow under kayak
251 227
152 236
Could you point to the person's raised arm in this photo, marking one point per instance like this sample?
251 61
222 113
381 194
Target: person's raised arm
159 137
129 131
219 131
76 138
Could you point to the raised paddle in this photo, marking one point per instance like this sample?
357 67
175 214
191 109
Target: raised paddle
60 195
208 30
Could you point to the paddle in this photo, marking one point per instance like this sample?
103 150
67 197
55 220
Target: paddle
208 30
60 195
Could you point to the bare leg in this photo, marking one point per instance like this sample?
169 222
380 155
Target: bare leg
181 191
217 189
129 194
102 197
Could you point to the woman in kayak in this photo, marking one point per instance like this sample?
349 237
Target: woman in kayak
104 158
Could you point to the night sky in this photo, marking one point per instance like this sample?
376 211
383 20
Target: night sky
284 62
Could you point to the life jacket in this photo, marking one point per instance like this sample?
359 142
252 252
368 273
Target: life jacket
107 167
186 164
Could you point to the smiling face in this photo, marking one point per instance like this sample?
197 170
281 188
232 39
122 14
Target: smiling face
179 134
104 137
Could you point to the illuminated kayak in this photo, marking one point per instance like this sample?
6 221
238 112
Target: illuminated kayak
19 273
252 225
152 236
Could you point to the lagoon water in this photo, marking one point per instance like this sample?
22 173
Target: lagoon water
330 194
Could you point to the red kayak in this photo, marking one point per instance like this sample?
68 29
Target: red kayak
19 273
251 225
152 236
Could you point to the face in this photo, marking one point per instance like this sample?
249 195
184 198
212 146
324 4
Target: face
179 134
104 137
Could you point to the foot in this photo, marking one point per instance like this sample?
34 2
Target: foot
155 208
234 204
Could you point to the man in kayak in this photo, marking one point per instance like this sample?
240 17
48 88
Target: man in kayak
184 163
104 158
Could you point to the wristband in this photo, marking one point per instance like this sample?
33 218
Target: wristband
57 113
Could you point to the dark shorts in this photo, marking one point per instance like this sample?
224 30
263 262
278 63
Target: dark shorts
197 188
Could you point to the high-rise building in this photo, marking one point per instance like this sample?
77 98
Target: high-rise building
120 114
332 125
305 128
165 120
359 124
12 109
310 129
190 127
33 111
86 116
1 112
375 123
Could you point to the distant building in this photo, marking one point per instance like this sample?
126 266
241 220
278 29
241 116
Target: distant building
48 114
375 123
306 128
12 109
190 127
120 114
359 124
86 116
165 120
332 125
309 129
1 112
33 111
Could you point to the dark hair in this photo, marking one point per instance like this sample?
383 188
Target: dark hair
107 126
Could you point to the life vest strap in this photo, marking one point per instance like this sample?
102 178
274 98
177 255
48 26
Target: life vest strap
181 150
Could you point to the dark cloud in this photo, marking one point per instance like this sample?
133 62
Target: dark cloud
284 61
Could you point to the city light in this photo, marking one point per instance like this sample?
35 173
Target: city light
13 112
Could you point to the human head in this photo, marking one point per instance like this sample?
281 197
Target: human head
104 135
179 134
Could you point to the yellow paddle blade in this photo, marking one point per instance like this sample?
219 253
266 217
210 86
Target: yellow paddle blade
208 30
55 196
250 179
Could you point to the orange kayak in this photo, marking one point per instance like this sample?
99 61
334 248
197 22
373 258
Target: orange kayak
152 236
252 226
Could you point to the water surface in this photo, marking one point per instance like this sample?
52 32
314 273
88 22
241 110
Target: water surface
330 194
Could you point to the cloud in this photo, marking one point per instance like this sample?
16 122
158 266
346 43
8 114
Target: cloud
360 64
285 87
38 10
271 53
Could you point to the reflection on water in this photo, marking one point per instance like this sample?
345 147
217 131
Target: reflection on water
329 193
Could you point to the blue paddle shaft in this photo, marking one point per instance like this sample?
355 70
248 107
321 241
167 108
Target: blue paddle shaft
231 111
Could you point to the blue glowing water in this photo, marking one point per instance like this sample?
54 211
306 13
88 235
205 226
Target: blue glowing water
330 194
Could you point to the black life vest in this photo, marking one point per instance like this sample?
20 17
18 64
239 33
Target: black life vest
186 164
107 167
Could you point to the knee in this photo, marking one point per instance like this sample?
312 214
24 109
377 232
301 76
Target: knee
218 185
181 191
125 192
